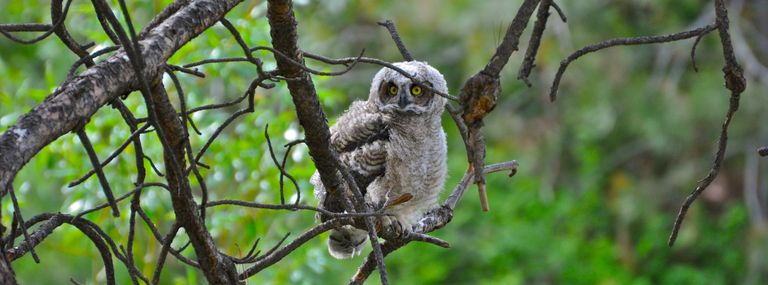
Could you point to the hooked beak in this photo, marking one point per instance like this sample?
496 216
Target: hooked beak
402 101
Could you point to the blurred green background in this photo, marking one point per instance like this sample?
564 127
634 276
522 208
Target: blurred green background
603 170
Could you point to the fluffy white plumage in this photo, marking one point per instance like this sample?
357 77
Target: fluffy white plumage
393 144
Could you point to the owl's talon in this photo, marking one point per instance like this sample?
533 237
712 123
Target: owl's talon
389 224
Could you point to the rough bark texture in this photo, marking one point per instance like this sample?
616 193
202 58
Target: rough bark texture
217 268
7 277
80 97
308 109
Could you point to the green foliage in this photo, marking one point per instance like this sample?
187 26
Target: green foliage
603 169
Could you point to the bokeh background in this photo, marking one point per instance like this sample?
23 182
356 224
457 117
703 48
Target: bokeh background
603 170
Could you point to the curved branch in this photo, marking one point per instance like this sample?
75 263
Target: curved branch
54 221
274 256
81 96
735 82
624 42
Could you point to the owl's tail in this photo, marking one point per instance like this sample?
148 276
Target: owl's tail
346 242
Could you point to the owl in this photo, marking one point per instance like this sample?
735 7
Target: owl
394 146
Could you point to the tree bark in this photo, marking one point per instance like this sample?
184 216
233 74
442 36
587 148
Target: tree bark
80 97
308 109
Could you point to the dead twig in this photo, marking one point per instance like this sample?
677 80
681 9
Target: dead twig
735 82
625 41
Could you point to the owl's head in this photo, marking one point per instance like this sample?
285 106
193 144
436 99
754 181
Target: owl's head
392 92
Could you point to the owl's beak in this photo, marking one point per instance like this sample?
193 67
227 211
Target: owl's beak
402 101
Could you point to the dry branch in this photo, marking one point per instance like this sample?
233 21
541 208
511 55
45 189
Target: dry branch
80 97
735 82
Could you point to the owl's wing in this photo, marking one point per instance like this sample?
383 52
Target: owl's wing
366 163
360 136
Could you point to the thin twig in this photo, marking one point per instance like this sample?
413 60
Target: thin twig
533 44
559 12
289 146
17 215
44 35
90 57
121 198
111 156
187 143
283 172
291 207
310 70
240 41
155 168
624 41
185 70
92 231
735 82
164 252
99 172
25 27
693 52
460 188
248 109
215 60
347 61
275 256
156 233
396 37
369 265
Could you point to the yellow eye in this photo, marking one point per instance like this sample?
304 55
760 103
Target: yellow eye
416 90
392 89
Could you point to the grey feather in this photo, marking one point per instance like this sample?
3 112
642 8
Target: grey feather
393 144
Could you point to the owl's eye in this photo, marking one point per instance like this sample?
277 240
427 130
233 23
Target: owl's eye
392 89
416 90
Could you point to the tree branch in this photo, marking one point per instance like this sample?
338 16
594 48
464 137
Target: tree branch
312 118
623 42
80 97
735 82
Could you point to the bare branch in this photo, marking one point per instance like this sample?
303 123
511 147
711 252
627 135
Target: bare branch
17 216
311 116
98 85
290 207
99 172
511 39
25 27
460 188
535 41
275 256
625 41
40 37
396 37
121 198
283 172
348 61
54 221
735 82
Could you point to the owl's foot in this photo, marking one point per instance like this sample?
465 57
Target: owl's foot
390 224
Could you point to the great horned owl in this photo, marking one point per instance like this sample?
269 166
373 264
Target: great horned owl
394 145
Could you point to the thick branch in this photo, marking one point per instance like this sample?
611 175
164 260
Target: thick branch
81 96
217 269
283 29
308 109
